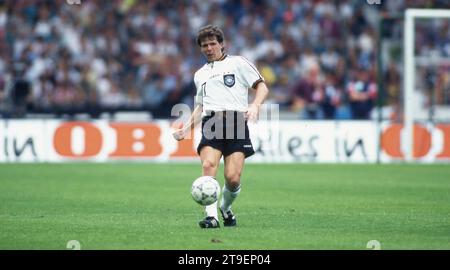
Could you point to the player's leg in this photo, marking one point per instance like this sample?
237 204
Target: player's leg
234 164
210 158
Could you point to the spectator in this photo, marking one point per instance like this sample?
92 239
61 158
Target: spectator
308 94
362 93
392 84
156 90
91 46
20 93
332 99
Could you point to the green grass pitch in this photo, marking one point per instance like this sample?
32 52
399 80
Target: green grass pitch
148 206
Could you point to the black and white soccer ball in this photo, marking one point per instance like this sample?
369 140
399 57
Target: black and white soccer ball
205 190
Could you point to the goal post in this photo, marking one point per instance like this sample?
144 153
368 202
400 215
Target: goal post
409 70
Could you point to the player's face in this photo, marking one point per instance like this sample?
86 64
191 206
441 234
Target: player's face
211 48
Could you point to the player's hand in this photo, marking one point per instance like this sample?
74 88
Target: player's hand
252 113
179 134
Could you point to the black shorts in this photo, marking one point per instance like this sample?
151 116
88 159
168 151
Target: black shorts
226 131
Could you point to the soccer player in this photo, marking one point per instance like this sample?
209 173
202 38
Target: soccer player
222 107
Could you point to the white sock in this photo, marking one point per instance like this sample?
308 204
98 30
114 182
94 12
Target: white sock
211 210
228 197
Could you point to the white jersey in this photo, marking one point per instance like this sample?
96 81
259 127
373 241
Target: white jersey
223 84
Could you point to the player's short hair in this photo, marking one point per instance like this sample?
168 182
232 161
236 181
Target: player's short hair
209 31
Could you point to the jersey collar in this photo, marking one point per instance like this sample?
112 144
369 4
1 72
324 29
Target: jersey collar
220 59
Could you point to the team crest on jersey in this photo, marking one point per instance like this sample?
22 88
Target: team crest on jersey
228 80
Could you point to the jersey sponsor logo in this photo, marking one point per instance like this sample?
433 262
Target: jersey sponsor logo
213 76
229 80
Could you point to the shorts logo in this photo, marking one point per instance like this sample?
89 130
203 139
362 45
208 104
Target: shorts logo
228 80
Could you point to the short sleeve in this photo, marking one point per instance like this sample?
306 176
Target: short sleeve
249 74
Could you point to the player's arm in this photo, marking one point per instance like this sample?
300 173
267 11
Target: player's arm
251 78
193 121
261 94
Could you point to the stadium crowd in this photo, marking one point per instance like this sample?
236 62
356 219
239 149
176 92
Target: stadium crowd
317 57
